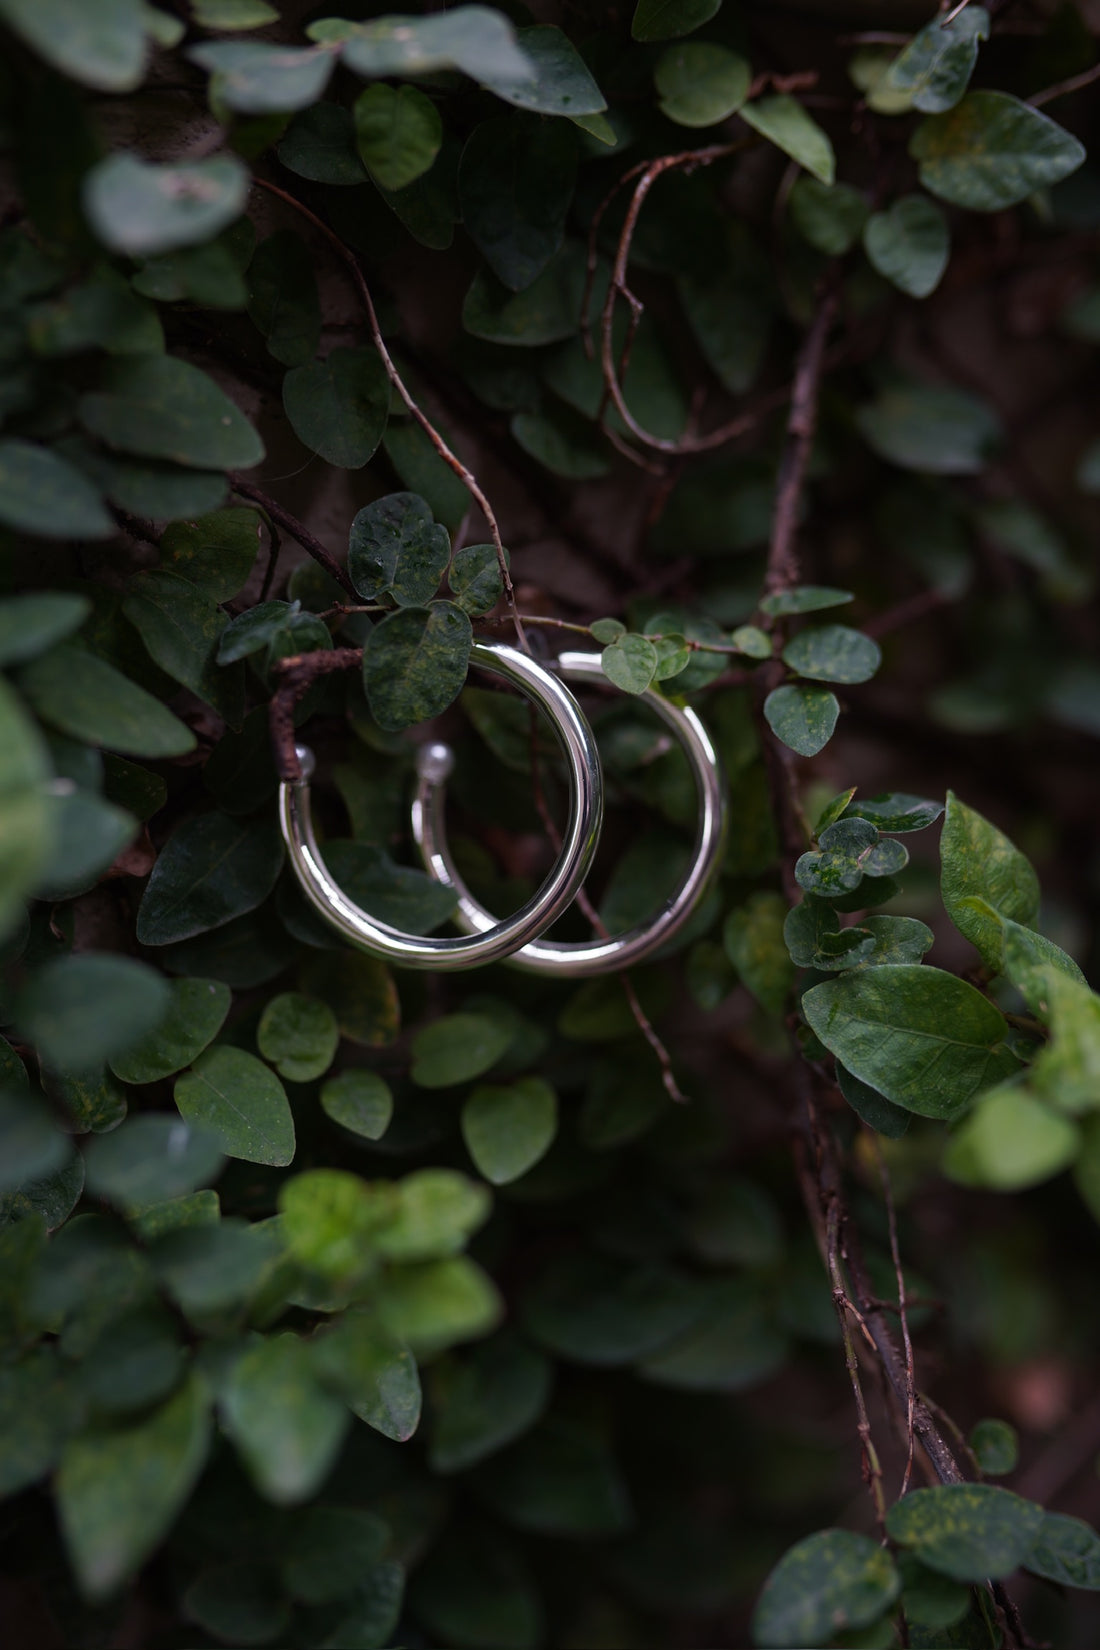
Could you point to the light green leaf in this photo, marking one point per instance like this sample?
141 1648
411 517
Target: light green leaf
101 46
233 14
360 1101
287 1428
508 1128
415 662
162 407
784 122
85 1009
754 942
396 548
257 78
669 19
935 67
630 662
376 1376
829 217
212 868
457 1047
26 840
802 717
44 495
399 133
1011 1140
977 860
560 85
299 1035
331 1219
925 1039
700 84
149 1159
233 1096
991 151
939 430
1066 1071
909 244
435 1304
435 1211
832 1580
833 653
141 209
119 1491
966 1531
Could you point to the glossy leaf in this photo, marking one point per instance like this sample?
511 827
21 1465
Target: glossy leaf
832 1580
895 811
475 578
396 548
141 209
414 663
236 1099
966 1531
802 717
212 868
784 122
909 244
991 151
507 1129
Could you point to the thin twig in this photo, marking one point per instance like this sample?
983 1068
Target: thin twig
1076 83
783 570
872 1467
907 612
272 560
903 1308
297 530
451 459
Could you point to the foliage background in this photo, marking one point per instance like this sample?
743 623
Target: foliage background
243 1168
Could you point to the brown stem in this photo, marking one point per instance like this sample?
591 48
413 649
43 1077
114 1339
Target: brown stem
1075 83
783 569
297 530
294 676
907 612
903 1308
451 459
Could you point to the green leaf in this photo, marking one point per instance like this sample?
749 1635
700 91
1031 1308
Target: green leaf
457 1047
700 84
239 1603
361 992
331 1219
211 1266
991 151
560 84
141 209
1028 960
149 1159
103 313
829 217
832 1580
1066 1551
563 442
849 850
396 548
320 145
210 274
243 1105
544 313
557 1480
939 430
997 1448
475 578
299 1036
282 297
484 1400
669 19
25 838
31 1145
398 132
42 494
909 244
87 834
508 1128
332 1547
802 717
376 1376
804 598
287 1428
966 1531
100 46
162 407
415 662
181 627
396 894
136 1362
360 1101
87 698
926 1040
474 1589
833 653
734 1345
38 1406
419 466
754 942
435 1304
233 14
515 185
31 624
474 39
871 1107
630 662
256 78
86 1009
784 122
435 1212
935 67
979 861
212 868
1011 1140
216 552
119 1491
277 629
895 811
593 1310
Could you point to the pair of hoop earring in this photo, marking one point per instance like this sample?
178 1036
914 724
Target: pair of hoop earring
485 938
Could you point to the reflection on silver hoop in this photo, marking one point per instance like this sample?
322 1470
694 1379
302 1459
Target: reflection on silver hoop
598 956
494 940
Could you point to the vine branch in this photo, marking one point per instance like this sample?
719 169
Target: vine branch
298 531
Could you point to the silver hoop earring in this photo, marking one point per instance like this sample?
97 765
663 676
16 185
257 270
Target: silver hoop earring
493 939
599 956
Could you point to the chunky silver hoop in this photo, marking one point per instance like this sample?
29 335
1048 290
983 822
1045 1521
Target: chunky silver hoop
598 956
494 939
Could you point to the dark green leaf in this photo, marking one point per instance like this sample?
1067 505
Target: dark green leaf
320 145
375 1376
396 894
849 850
210 1266
515 183
560 85
991 151
398 133
833 653
456 1048
87 698
87 835
669 19
475 578
700 84
212 868
241 771
162 407
733 1346
940 430
103 313
240 1603
831 1580
557 1480
804 598
979 861
360 1101
282 297
909 244
210 275
119 1491
507 1129
42 494
333 1547
562 441
396 548
140 209
103 47
420 467
484 1399
338 407
299 1036
287 1428
38 1410
256 78
754 941
966 1531
475 1591
240 1103
149 1159
133 787
181 627
86 1009
871 1107
31 624
895 811
415 662
1066 1551
549 309
830 217
802 717
216 552
784 122
93 1101
361 991
924 1039
997 1448
596 1311
30 1145
136 1362
196 1013
935 67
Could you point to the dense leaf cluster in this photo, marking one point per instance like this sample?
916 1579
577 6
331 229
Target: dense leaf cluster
341 1308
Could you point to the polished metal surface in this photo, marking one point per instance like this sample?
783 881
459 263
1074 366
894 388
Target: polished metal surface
597 956
493 939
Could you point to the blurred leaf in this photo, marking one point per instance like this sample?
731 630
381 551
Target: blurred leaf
784 122
909 244
754 942
257 78
375 1375
119 1491
212 868
596 1311
87 836
802 717
733 1346
474 39
137 1361
563 442
935 67
413 455
141 209
240 1602
181 627
515 183
439 1302
937 429
415 662
83 1010
151 1158
333 1548
162 407
42 494
398 133
320 145
557 1480
966 1531
831 1580
210 1266
545 312
991 151
829 217
979 861
435 1211
361 992
31 624
287 1428
483 1399
1011 1140
87 698
102 47
1066 1551
243 1105
196 1012
700 84
39 1410
282 297
804 598
457 1047
669 19
233 14
331 1220
560 85
473 1590
30 1145
997 1448
507 1129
